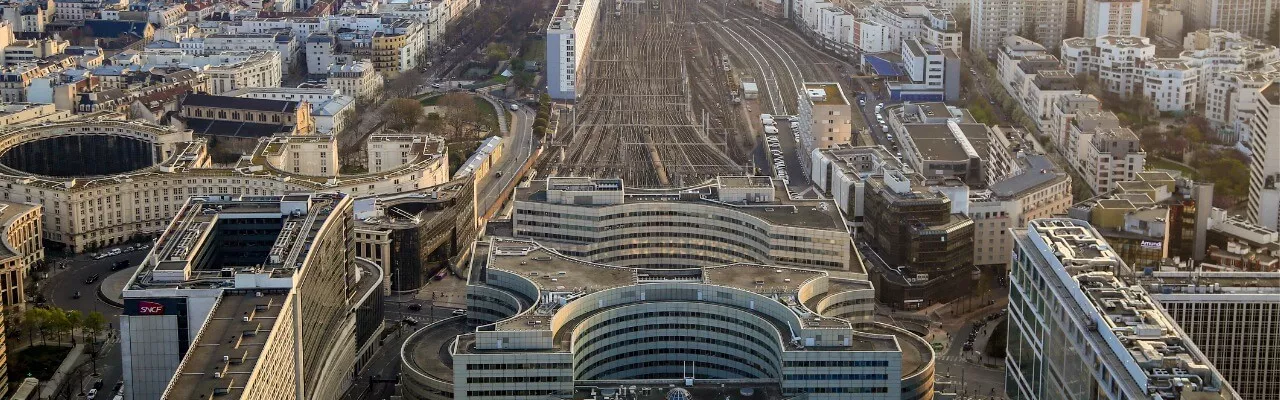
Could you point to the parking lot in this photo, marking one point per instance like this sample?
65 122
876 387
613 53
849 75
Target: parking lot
783 154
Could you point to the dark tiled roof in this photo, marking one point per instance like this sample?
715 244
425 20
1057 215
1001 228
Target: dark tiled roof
234 129
110 29
204 100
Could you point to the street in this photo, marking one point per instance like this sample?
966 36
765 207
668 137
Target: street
60 287
519 147
377 380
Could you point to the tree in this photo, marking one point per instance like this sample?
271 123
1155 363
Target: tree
433 123
33 320
94 322
404 84
59 322
75 319
460 112
402 114
497 51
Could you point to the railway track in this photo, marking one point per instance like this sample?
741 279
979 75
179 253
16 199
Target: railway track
640 116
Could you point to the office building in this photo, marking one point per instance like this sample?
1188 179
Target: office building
418 235
275 274
1248 17
1264 171
23 248
731 219
994 20
828 25
1076 331
930 25
1152 218
569 35
1115 17
1228 314
939 141
930 73
792 332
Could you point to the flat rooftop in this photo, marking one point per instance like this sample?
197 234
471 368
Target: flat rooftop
832 95
203 374
936 142
783 210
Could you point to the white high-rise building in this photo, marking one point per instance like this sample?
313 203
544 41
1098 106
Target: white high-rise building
568 41
1115 17
1044 21
1250 17
1076 331
1264 141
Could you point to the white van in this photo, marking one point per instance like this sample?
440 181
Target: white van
766 119
770 130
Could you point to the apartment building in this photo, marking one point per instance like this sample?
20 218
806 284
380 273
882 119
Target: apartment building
141 194
227 70
994 20
1171 85
1115 18
825 117
569 35
1248 17
18 114
1034 78
320 50
22 248
1167 23
1264 171
356 78
1112 155
732 324
1077 331
1231 99
1115 61
303 313
930 25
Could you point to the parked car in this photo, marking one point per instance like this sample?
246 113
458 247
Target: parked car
114 252
770 130
410 321
91 394
766 119
98 256
459 312
415 307
795 124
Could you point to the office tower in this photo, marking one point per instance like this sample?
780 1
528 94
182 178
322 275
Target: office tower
251 297
1250 17
1229 316
1076 331
1115 17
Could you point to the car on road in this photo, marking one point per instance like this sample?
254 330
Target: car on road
91 279
76 295
459 312
770 130
862 102
119 265
98 256
884 128
436 86
415 307
91 394
119 385
411 321
515 107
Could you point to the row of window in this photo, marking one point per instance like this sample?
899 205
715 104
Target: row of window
836 377
870 389
685 340
506 393
628 370
493 367
835 363
518 379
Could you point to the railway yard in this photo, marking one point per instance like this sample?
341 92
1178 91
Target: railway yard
661 102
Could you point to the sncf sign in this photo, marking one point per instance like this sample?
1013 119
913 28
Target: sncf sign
150 308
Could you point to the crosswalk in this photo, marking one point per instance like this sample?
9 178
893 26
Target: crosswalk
954 359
